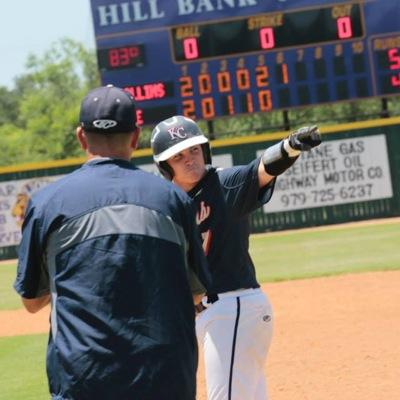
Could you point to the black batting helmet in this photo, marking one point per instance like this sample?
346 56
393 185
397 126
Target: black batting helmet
173 135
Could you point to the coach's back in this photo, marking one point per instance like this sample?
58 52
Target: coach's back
111 245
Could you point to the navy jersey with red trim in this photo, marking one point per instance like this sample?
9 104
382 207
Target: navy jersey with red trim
224 199
110 242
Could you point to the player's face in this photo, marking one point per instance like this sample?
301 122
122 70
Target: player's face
188 166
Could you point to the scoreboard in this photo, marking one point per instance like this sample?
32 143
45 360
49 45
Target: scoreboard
212 58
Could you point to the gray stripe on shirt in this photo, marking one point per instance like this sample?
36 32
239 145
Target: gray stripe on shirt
116 219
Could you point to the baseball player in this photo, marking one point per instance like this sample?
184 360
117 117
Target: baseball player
115 251
234 327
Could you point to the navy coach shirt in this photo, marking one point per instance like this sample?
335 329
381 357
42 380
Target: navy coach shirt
115 246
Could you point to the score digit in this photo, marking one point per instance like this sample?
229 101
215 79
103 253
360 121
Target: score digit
394 61
344 28
267 38
190 48
394 58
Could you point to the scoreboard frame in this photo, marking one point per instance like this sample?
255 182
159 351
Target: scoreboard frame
213 58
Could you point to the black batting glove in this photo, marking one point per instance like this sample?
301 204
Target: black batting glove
281 156
304 139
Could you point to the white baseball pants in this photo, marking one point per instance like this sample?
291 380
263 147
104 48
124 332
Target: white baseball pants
235 334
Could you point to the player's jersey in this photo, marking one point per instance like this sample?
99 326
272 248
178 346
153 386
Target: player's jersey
109 242
224 198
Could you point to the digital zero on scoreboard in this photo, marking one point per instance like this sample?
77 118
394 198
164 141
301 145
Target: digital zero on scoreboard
212 58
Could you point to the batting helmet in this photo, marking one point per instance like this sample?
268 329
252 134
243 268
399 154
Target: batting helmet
173 135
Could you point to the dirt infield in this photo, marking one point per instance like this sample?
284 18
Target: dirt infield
335 338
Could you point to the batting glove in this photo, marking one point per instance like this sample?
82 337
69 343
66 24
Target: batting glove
304 139
281 156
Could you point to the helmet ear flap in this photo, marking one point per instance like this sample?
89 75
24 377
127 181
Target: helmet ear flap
166 171
206 153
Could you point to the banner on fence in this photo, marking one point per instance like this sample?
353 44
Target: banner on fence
14 197
337 172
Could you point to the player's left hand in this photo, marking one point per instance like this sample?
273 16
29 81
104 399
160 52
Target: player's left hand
304 139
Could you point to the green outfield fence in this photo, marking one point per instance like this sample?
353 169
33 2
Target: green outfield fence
242 150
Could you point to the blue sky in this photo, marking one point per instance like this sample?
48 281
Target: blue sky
31 26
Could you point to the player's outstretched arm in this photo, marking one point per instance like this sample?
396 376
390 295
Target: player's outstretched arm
281 156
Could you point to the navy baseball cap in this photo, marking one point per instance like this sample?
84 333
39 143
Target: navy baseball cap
108 109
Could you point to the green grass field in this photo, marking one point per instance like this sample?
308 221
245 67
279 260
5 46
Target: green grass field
9 299
277 256
22 368
326 251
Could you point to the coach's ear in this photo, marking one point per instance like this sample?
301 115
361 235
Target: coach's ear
80 135
135 138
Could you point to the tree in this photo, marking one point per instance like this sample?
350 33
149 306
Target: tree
43 122
8 106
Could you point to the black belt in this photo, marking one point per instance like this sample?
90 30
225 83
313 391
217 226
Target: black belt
211 298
